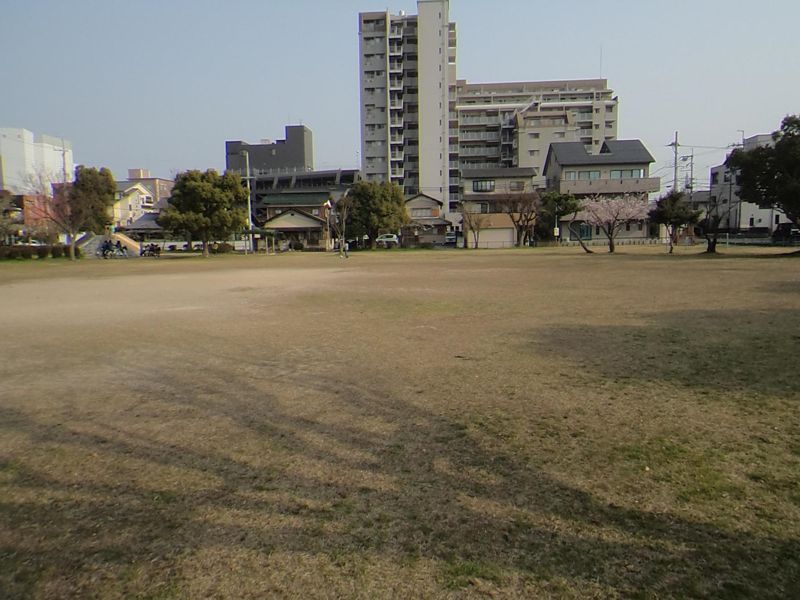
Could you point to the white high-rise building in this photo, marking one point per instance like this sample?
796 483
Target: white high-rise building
29 160
408 99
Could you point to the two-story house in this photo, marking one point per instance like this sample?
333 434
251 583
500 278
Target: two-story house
621 168
483 194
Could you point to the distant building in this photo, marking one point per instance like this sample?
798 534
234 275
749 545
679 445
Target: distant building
139 195
297 206
31 161
736 214
506 125
160 189
620 168
483 190
408 118
290 155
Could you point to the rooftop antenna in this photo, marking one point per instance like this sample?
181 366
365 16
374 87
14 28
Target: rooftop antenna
601 60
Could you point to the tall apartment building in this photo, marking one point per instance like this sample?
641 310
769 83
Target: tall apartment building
513 124
28 159
409 127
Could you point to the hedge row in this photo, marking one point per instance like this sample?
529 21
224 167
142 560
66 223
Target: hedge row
15 252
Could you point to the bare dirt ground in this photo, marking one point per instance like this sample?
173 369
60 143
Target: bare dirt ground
533 423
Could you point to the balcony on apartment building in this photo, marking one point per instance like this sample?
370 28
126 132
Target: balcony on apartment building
610 186
395 66
492 121
478 151
469 136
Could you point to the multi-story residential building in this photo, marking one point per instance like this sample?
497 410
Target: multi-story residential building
293 154
408 118
736 214
160 189
513 124
30 162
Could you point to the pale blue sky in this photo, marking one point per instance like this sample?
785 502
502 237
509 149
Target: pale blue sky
161 84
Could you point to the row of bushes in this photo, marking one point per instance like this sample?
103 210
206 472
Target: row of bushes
58 251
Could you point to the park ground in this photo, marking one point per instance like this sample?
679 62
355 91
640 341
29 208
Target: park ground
526 423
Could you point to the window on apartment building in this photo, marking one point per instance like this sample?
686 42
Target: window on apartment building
609 109
534 136
483 185
609 124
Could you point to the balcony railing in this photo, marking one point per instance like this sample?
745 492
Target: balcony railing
611 186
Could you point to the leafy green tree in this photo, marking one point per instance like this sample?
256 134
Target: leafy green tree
83 205
377 208
8 216
554 206
672 211
770 176
206 206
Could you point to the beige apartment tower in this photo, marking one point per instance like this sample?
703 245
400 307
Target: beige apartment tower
409 127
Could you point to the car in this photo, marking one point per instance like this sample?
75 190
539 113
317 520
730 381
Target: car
387 240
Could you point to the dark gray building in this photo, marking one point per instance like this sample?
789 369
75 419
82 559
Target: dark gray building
293 154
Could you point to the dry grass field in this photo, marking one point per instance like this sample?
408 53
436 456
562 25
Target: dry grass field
507 424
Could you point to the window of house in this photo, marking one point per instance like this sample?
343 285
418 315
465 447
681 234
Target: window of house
752 222
777 219
626 173
641 226
533 152
588 175
516 186
315 212
570 175
726 177
558 134
420 212
597 229
484 207
714 178
483 185
627 226
534 136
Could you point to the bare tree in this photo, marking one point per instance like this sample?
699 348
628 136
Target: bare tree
337 220
522 208
711 220
610 214
474 221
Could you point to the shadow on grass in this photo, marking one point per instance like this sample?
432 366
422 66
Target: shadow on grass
388 479
743 353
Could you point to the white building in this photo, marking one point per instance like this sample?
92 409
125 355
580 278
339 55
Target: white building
28 160
738 215
408 116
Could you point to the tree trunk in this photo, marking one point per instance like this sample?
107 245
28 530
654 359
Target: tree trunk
611 246
205 248
712 245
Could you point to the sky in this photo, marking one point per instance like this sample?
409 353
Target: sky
162 84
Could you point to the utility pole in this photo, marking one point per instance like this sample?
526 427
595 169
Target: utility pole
674 145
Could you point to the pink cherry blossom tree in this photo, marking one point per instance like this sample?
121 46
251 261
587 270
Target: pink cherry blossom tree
611 213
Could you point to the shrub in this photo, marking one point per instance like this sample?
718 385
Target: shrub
13 252
26 252
172 248
4 252
297 246
42 251
57 251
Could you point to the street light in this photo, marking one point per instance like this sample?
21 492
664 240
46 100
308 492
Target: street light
249 241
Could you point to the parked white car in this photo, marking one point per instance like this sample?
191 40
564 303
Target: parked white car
387 240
